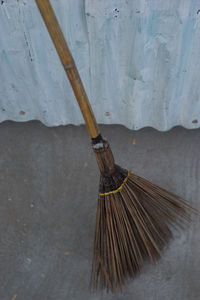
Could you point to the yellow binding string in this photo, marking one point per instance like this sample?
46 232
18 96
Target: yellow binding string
119 188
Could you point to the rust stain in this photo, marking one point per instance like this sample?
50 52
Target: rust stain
195 121
22 112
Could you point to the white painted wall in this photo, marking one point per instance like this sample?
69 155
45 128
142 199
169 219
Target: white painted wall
139 61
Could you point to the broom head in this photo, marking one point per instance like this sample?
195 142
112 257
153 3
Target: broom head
133 222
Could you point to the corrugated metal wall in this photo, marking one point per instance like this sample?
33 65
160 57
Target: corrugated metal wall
139 61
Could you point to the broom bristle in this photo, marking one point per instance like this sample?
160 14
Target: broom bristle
133 224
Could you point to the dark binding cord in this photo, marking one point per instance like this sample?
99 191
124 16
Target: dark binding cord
97 140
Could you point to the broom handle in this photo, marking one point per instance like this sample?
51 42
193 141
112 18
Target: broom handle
68 63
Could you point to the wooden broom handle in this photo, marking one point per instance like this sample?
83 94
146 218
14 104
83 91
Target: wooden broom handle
68 63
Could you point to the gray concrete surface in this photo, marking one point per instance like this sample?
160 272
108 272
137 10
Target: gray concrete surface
48 187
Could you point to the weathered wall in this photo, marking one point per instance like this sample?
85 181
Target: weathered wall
139 61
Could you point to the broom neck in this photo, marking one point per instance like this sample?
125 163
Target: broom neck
68 63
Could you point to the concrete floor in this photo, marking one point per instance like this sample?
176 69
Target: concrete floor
49 182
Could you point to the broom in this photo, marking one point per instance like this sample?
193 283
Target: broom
134 217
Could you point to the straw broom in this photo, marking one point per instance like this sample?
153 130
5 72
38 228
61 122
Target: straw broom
134 216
